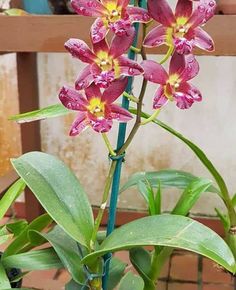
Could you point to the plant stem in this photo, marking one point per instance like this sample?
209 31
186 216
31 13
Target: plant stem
135 49
108 144
104 202
168 54
131 97
152 117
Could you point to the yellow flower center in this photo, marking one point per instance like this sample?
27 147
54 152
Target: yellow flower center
114 11
181 27
174 83
96 107
107 63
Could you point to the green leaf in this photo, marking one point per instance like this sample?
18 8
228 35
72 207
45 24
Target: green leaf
72 285
141 260
33 260
66 249
171 231
167 178
22 240
158 199
10 196
131 281
17 227
45 113
116 272
224 219
4 281
234 200
191 195
147 192
59 192
199 153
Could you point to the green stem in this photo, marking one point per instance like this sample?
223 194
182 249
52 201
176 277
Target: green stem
108 144
130 97
103 204
168 54
152 117
135 49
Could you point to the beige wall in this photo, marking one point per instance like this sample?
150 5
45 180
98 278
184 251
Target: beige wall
209 124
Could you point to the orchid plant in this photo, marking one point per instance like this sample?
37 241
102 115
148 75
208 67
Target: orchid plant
83 249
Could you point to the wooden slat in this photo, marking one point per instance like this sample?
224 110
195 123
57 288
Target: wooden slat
30 132
7 180
48 33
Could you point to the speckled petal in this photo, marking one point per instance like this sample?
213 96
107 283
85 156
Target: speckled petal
129 67
160 99
161 12
79 49
84 79
137 14
154 72
203 40
115 90
156 37
80 124
72 99
183 8
98 30
120 114
89 7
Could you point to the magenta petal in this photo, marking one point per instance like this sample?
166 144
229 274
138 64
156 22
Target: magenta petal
203 40
88 8
79 49
137 14
120 44
183 8
161 12
72 99
129 67
177 64
156 37
84 79
186 95
159 98
80 124
93 91
123 3
100 46
115 90
191 90
154 72
191 68
203 12
120 114
98 30
101 125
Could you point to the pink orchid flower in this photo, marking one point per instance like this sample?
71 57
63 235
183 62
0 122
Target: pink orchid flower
95 109
105 63
181 29
174 86
112 14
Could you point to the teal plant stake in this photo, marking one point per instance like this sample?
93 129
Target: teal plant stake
119 159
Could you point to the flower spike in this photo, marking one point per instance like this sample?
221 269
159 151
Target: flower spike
174 85
95 109
181 29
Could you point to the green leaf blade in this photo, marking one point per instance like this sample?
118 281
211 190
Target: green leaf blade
171 231
45 113
59 192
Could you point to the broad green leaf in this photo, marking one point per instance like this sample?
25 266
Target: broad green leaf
171 231
167 178
45 113
4 281
59 192
141 260
22 240
17 227
147 192
66 249
131 281
4 235
199 153
116 272
158 199
10 196
33 260
191 195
